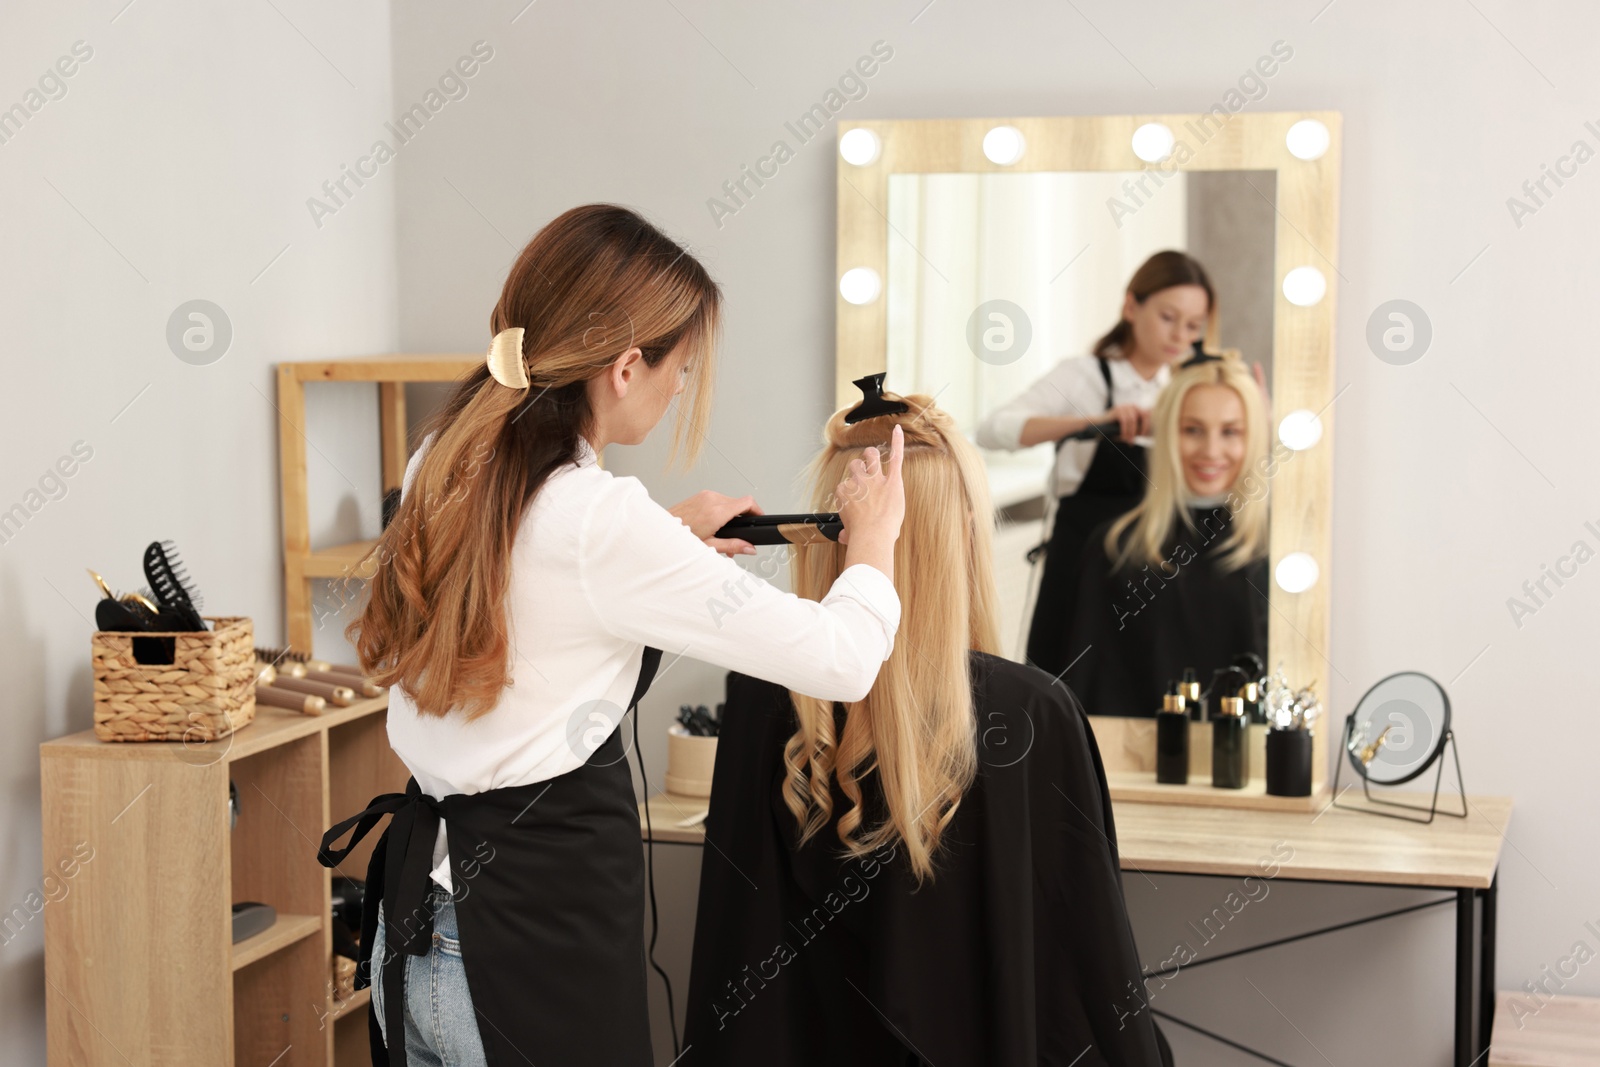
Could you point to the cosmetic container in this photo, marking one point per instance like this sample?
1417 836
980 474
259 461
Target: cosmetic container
1172 741
1289 763
1230 749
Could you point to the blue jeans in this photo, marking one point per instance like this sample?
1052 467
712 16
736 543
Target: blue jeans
441 1024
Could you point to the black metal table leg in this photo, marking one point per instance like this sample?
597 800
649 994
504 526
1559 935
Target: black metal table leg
1486 987
1465 928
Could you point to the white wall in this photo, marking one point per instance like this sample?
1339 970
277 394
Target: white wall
1444 468
175 167
192 138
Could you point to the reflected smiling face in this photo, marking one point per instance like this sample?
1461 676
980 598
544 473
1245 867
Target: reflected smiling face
1169 322
1211 438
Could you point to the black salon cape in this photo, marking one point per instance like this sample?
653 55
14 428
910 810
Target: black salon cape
1018 953
1135 641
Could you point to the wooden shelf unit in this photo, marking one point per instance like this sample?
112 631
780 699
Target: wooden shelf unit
302 566
140 968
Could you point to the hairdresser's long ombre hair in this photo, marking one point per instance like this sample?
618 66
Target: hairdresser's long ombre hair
1143 534
916 729
592 284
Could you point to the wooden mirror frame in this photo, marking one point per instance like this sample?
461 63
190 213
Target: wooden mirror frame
1307 208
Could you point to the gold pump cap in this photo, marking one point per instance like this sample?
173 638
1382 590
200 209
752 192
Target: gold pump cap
1174 703
1232 706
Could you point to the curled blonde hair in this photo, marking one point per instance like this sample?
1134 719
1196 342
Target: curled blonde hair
916 728
1142 534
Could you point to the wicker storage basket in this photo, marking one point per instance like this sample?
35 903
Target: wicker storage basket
206 691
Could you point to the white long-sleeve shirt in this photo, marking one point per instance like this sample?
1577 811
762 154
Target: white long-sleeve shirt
1074 388
599 570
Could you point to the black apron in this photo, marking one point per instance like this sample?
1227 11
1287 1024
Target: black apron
1113 484
549 888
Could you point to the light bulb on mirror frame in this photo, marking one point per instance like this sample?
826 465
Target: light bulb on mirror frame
1296 572
1307 139
1304 286
1152 142
860 285
1300 429
859 146
1003 145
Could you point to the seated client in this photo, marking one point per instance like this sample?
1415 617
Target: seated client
1181 580
929 874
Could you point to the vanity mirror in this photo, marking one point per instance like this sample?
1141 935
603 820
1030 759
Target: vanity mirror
975 255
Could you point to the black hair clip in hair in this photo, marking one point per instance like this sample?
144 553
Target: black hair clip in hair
873 402
1200 356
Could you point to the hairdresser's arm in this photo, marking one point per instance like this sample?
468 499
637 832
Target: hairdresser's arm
647 578
1062 401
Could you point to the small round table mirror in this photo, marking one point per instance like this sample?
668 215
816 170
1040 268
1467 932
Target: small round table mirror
1399 728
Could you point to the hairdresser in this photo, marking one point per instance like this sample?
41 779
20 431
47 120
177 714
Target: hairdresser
1168 305
521 601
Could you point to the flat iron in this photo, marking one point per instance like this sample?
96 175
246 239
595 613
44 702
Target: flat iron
814 527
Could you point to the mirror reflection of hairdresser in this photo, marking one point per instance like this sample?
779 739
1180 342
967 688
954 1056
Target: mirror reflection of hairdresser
519 588
1181 580
1169 304
927 874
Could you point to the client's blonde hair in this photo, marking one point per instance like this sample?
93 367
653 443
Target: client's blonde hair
916 728
1141 535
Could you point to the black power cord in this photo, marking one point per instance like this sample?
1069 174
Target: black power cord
650 877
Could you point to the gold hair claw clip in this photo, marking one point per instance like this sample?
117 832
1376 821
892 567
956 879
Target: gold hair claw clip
505 359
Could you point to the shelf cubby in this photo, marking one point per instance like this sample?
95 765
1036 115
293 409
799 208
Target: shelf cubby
139 961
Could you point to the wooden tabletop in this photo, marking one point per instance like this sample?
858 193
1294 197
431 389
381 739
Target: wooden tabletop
1331 845
667 810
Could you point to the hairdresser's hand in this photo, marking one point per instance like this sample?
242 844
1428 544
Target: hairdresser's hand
707 512
872 501
1132 421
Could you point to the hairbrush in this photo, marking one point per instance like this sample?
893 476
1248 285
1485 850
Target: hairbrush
173 588
121 614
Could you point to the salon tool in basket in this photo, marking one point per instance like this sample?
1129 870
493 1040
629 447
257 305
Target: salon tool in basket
129 612
174 590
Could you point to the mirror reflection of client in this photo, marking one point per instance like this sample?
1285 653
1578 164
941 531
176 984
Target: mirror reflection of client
1181 580
929 872
1169 304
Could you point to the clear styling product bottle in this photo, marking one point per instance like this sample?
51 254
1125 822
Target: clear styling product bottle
1172 740
1230 748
